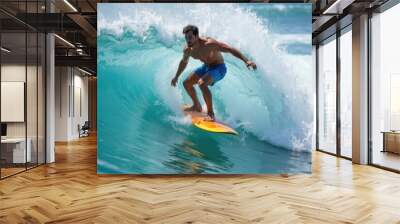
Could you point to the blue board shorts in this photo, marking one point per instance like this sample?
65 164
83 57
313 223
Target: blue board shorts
217 72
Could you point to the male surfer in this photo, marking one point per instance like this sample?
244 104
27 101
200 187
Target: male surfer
207 50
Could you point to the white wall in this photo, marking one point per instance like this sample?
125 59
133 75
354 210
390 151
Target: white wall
34 125
13 101
70 83
16 72
62 81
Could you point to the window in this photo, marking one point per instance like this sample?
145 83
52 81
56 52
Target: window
346 93
22 86
385 89
327 96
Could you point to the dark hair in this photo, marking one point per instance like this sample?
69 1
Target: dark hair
192 28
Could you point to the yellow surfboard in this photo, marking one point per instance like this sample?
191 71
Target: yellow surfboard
199 120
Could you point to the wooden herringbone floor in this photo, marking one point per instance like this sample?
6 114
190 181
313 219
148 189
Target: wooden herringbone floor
70 191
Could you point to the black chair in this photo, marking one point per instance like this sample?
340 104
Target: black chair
84 130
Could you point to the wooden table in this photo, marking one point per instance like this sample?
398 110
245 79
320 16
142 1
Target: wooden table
13 150
391 141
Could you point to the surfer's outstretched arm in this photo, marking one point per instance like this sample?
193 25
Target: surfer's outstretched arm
182 65
235 52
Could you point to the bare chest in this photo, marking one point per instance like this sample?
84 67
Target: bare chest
204 54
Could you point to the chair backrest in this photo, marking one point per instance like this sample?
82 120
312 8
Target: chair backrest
86 125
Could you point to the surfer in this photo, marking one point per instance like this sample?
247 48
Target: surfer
207 50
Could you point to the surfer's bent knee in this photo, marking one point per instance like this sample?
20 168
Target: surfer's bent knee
203 86
186 82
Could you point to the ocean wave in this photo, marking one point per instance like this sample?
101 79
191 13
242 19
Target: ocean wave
274 103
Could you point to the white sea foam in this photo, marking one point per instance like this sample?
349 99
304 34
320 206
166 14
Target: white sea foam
275 103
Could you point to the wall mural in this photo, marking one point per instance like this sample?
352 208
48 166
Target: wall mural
205 88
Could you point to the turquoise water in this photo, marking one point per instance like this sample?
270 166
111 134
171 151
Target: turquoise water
141 128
